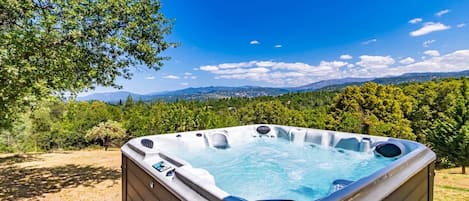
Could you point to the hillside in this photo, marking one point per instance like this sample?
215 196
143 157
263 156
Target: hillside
405 78
219 92
201 93
325 83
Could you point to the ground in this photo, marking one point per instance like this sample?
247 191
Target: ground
95 175
61 176
451 185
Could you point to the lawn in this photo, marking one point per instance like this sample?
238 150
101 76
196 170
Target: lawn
451 185
95 175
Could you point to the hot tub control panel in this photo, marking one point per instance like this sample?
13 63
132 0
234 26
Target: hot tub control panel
161 166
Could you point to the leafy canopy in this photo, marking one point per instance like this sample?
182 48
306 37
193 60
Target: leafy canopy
449 135
49 46
373 109
106 131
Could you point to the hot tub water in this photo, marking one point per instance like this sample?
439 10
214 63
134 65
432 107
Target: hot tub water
279 169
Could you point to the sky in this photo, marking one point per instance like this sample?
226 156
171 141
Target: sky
274 43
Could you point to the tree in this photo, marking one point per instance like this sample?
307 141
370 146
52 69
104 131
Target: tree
449 137
136 119
315 118
373 109
432 101
50 47
106 132
270 112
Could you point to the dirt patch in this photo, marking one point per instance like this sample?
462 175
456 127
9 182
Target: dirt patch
74 175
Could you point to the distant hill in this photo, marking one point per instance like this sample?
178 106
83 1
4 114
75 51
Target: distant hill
325 83
201 93
405 78
110 96
217 92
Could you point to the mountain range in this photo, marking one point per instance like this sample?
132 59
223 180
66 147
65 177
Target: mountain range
200 93
217 92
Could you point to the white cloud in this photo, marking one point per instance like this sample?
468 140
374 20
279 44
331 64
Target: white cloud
187 75
150 78
429 27
254 42
278 46
298 73
278 73
334 64
433 53
195 69
258 70
184 84
442 12
375 61
208 68
193 77
174 77
298 66
461 25
407 60
370 41
234 65
427 43
264 63
230 71
346 57
415 20
455 61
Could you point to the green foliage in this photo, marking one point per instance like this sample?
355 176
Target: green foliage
449 135
349 122
432 102
373 109
18 137
51 47
105 132
316 117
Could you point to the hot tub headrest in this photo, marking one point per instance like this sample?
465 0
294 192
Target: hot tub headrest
147 143
390 149
219 140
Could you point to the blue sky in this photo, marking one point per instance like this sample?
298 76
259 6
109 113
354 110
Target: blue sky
291 43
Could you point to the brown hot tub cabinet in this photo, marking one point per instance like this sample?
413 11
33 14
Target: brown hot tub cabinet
409 177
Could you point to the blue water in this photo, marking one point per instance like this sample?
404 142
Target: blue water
277 169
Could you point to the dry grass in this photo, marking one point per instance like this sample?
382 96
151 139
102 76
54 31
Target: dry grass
451 185
95 175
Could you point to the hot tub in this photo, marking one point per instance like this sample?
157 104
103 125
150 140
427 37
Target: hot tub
274 162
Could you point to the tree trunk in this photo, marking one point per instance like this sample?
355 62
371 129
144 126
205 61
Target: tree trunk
463 169
106 143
